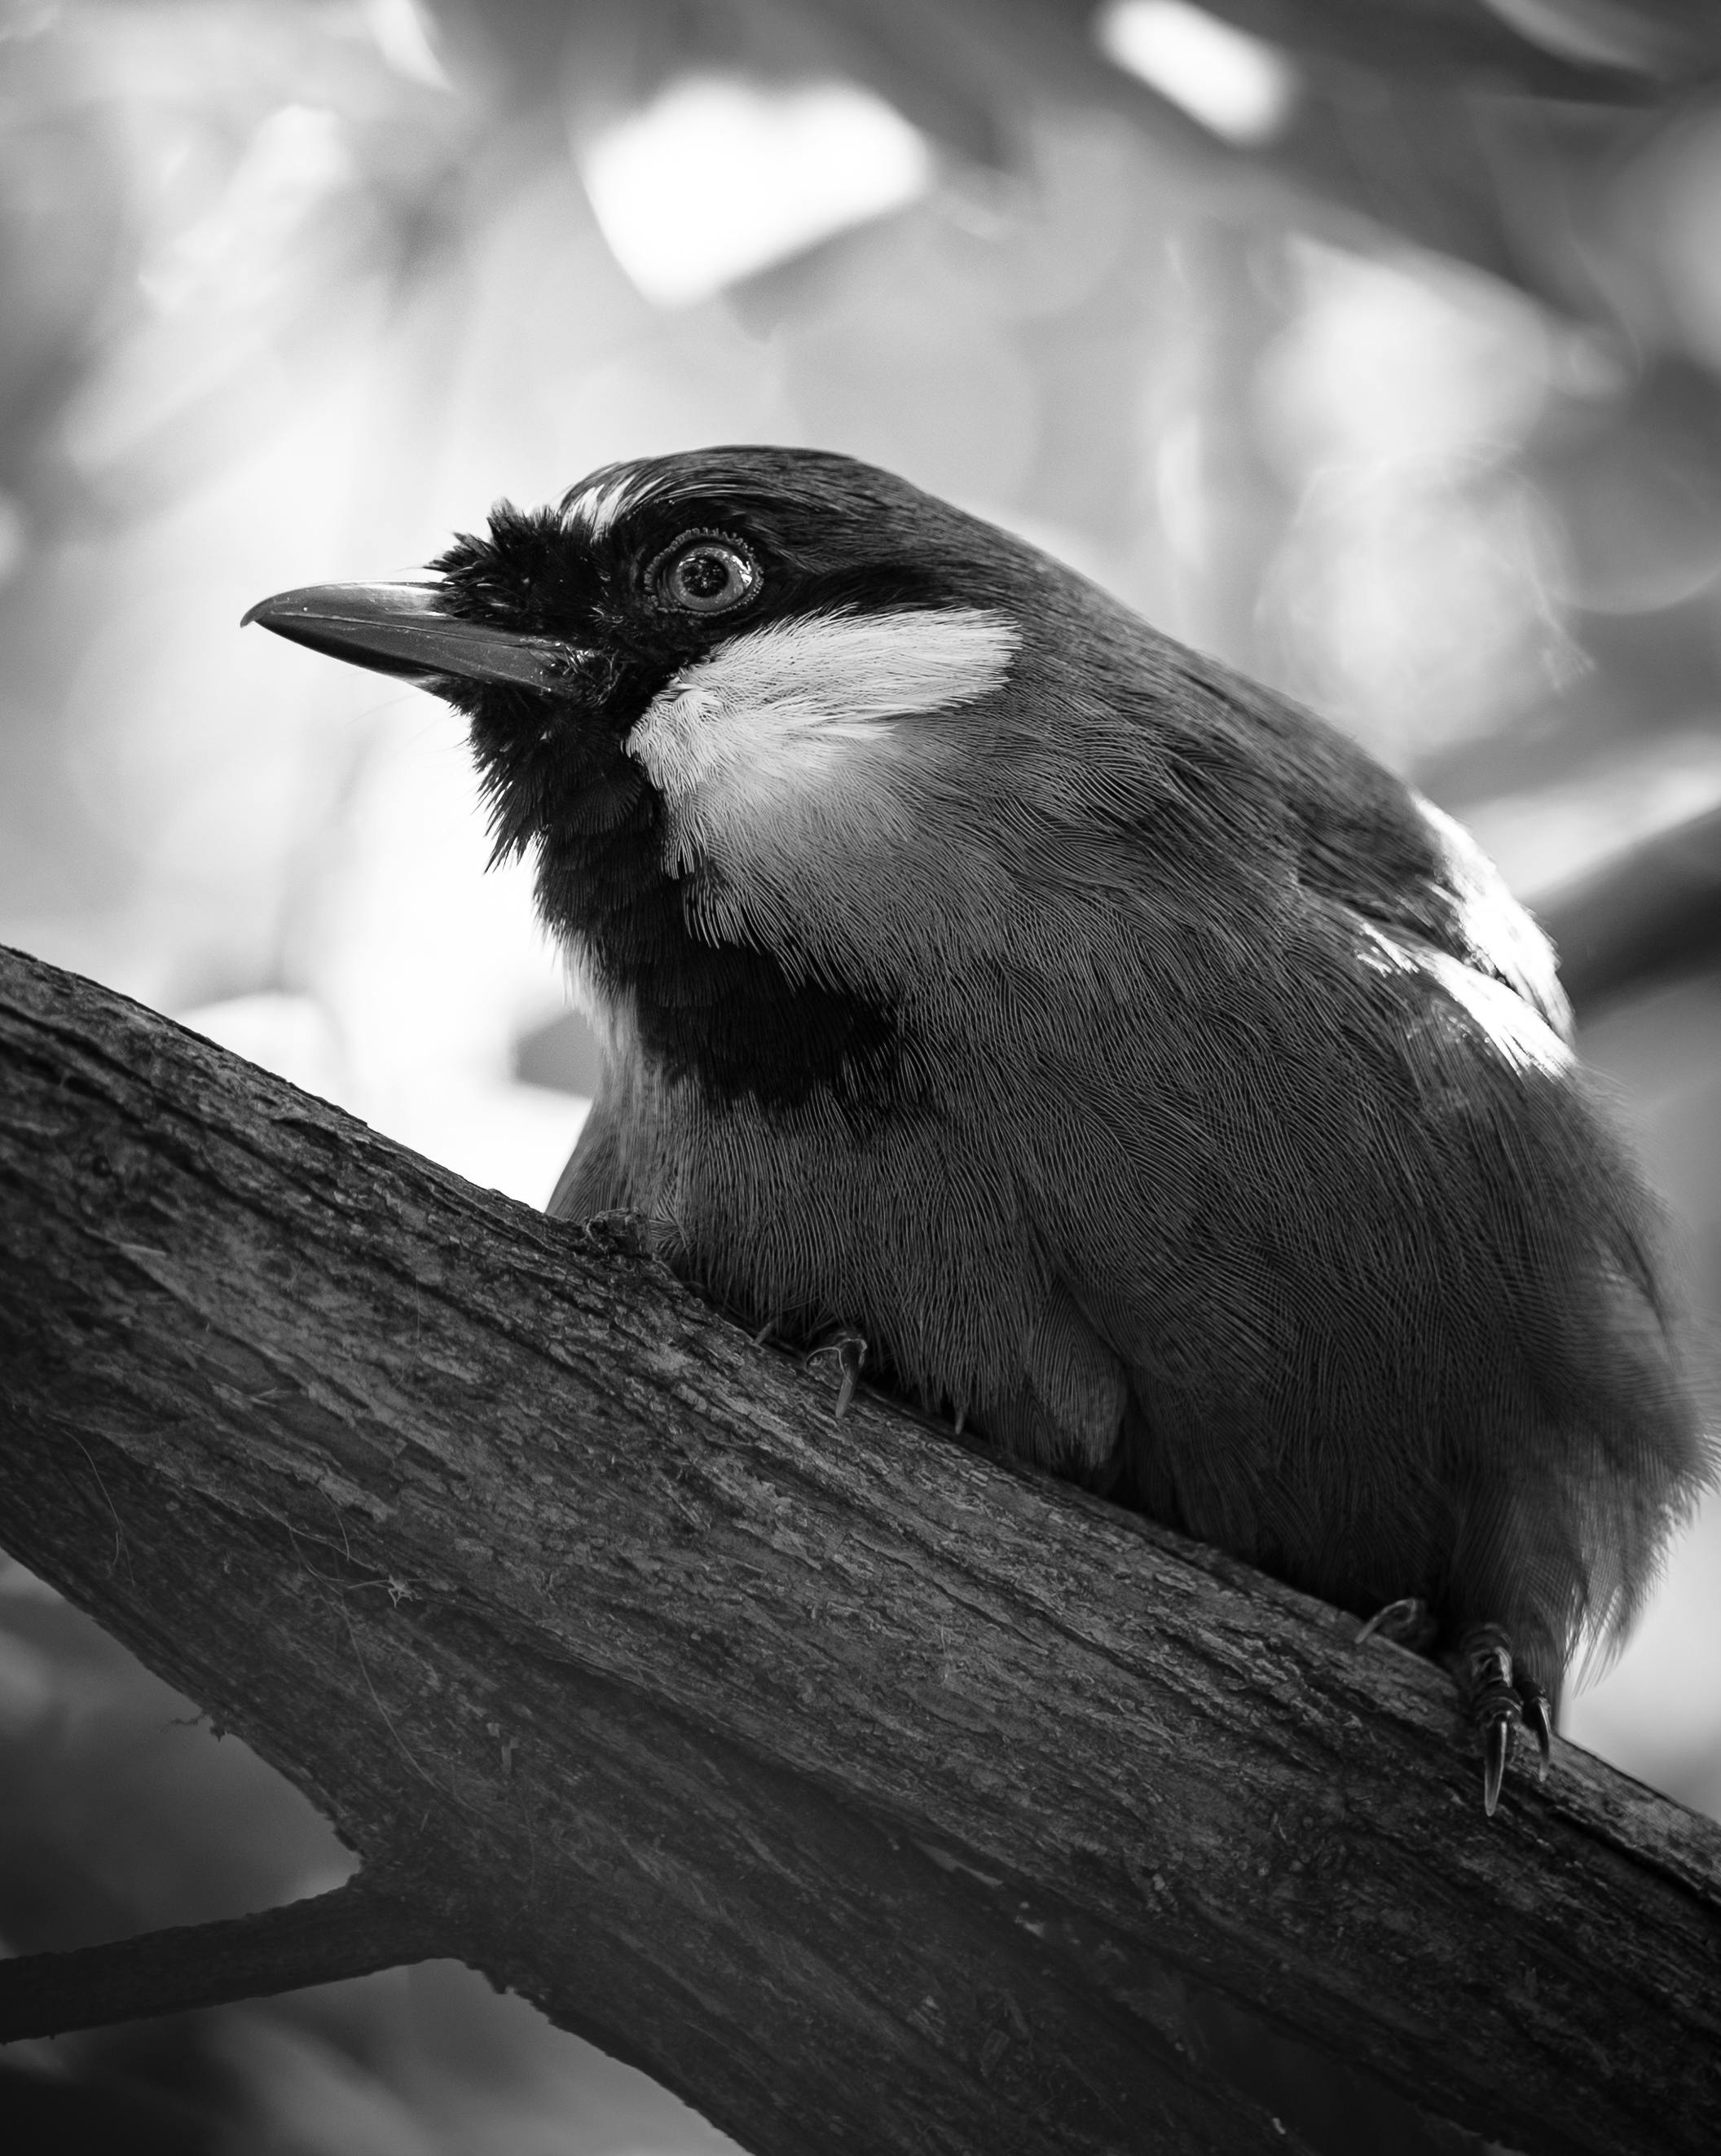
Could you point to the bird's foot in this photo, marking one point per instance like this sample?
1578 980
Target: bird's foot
1500 1702
849 1348
1409 1621
633 1234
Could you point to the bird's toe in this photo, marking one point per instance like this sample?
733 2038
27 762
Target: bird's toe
1409 1621
849 1349
1481 1663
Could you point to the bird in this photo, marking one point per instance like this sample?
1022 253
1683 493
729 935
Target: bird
1105 1050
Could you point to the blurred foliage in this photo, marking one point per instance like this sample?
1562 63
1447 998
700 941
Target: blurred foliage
1397 386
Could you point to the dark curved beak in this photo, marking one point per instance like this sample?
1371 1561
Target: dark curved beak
403 629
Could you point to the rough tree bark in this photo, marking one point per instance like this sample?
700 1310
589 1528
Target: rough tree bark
874 1795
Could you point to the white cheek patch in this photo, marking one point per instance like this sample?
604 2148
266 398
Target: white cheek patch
780 709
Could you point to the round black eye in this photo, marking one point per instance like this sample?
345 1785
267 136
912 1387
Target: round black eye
708 576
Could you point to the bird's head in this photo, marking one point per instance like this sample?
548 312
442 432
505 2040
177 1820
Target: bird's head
813 764
726 697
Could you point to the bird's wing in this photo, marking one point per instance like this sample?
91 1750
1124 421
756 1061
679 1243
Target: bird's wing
1292 1118
1365 841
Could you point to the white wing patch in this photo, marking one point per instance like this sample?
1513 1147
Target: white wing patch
1516 1029
779 709
1494 922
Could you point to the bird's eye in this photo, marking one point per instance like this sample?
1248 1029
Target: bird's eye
708 575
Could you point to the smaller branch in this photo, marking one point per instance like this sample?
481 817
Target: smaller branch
352 1931
1648 916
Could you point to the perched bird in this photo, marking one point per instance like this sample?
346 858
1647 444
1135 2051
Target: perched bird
1147 1077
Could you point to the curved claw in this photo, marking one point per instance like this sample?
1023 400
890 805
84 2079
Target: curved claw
1540 1719
1483 1666
1497 1751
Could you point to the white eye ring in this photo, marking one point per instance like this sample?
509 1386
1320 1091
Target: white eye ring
707 573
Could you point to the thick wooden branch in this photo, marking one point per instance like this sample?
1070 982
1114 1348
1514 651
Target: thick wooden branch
875 1796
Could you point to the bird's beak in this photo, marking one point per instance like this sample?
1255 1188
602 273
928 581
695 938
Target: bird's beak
404 630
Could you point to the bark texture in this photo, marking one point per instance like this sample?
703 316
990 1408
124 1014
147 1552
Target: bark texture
875 1796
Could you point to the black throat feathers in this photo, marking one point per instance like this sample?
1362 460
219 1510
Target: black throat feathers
738 1020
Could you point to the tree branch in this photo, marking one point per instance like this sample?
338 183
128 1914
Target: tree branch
349 1931
1647 916
872 1795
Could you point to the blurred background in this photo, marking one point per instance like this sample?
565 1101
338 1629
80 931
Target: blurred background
1375 349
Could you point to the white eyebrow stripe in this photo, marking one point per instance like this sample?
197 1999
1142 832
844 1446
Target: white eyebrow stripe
780 703
596 508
